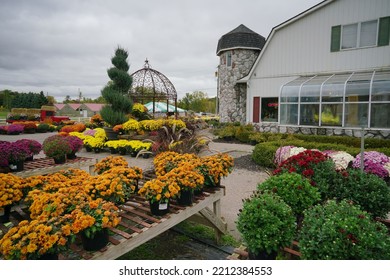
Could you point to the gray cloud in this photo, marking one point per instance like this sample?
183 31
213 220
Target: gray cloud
62 46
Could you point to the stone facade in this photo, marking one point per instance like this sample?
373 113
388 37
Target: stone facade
274 128
232 96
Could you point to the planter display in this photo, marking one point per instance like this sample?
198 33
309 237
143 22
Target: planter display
185 198
159 209
30 158
17 167
262 255
60 160
97 242
5 214
209 183
71 156
110 133
88 148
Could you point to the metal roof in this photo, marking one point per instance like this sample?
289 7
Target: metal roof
240 37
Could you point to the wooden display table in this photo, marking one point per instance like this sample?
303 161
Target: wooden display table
43 166
138 225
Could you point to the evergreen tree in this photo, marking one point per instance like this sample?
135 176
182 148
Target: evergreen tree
116 90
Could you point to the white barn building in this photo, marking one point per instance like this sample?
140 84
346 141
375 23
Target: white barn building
325 71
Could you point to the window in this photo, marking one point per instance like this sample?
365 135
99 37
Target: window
229 59
380 97
359 35
349 36
269 109
368 31
340 100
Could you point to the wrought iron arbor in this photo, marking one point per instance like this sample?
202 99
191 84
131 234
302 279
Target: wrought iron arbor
150 84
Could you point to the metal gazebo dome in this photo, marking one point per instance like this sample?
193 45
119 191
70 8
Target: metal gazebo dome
151 84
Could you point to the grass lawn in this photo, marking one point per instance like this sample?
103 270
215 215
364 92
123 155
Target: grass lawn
3 114
174 244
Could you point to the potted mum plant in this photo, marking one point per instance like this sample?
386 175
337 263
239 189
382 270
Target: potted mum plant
116 93
40 239
92 219
10 193
34 147
266 224
115 185
295 190
17 153
342 231
57 147
214 167
110 162
158 192
15 129
76 144
188 179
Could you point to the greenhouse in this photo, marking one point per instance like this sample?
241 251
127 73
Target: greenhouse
349 100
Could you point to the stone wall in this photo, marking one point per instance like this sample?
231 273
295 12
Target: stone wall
232 96
274 128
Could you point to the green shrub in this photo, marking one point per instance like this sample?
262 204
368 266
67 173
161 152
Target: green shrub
294 189
226 132
43 127
242 133
266 223
263 154
368 190
374 143
324 178
341 231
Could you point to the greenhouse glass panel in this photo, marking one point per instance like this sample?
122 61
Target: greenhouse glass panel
310 91
332 115
380 115
290 91
309 114
358 88
356 115
289 114
333 89
381 87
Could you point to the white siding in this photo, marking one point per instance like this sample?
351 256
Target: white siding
303 47
265 88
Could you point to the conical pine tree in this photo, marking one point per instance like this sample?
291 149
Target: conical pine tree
116 90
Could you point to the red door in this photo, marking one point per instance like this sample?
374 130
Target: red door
256 109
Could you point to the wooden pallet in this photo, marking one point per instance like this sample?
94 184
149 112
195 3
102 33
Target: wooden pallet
42 166
241 253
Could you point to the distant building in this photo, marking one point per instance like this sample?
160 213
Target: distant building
78 109
237 51
324 71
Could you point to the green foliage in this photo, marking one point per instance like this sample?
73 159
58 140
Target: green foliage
294 189
116 91
242 133
368 190
324 174
26 100
264 153
43 127
266 223
341 231
197 101
112 117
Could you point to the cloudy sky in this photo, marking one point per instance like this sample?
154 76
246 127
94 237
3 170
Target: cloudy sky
63 46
